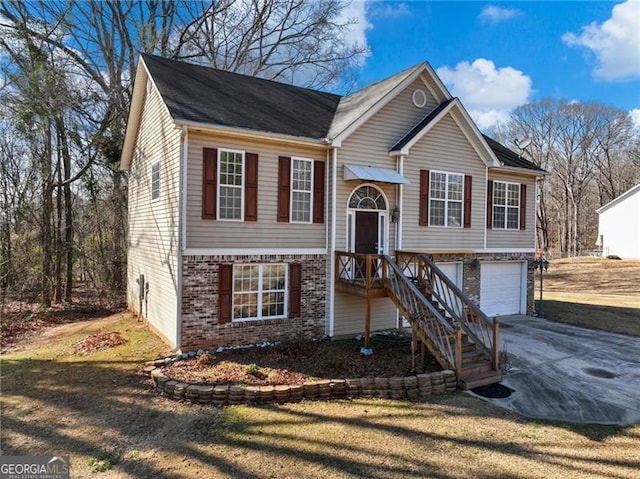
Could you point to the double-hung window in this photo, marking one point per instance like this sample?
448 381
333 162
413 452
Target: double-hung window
259 291
506 205
446 199
230 185
301 190
155 181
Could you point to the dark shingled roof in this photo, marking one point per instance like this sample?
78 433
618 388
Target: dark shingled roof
508 157
419 127
205 95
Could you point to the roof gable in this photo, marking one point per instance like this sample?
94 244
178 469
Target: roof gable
624 196
355 109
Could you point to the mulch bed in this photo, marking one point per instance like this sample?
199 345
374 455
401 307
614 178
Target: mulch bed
296 361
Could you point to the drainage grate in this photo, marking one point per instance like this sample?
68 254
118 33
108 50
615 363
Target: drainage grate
493 391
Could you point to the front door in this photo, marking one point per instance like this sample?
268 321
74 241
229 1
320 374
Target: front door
366 240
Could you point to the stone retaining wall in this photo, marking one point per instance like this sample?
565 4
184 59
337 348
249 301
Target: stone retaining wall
413 388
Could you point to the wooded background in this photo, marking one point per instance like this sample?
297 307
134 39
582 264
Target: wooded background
67 72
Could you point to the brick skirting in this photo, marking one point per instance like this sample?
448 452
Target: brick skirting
200 328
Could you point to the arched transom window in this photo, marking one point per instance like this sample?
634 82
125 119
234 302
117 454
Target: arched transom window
367 198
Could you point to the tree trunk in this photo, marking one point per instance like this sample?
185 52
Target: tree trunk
47 208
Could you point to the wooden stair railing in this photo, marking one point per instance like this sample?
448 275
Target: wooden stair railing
457 333
460 310
426 320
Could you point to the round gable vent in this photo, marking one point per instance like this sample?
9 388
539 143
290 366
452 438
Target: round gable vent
419 98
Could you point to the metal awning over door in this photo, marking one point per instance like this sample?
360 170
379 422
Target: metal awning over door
372 173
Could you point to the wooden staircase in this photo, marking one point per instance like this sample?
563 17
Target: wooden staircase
456 332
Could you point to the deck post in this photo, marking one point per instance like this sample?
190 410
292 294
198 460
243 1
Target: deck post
458 357
367 326
496 344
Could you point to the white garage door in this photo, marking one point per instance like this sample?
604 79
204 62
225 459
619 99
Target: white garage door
501 288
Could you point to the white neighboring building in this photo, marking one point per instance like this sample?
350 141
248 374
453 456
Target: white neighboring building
619 225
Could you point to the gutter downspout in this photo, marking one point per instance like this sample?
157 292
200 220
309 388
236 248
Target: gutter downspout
182 229
332 245
400 203
400 169
486 192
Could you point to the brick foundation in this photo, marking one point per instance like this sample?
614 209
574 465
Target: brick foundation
200 328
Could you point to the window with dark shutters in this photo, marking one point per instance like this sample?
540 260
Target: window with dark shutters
225 293
209 179
423 219
467 201
251 187
318 191
284 185
490 204
295 289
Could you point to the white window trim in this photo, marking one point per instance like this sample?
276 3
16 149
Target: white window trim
446 200
291 190
219 184
153 165
383 215
505 225
260 293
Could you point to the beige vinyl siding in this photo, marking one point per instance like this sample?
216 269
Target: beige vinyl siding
369 146
153 224
443 148
351 310
501 238
267 232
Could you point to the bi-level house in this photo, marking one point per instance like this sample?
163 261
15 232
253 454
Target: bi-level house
260 210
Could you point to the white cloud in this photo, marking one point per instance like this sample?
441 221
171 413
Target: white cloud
615 43
635 117
487 92
495 14
356 34
390 10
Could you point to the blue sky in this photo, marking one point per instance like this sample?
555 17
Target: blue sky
498 55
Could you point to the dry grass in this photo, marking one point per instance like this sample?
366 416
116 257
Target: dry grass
594 293
99 406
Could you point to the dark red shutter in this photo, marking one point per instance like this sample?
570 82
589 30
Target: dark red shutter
490 204
295 289
423 219
209 180
467 201
251 187
523 207
225 293
318 191
284 184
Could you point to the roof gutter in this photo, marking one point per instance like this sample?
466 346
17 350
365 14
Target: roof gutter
252 134
521 171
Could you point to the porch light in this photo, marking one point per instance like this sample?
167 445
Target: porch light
395 214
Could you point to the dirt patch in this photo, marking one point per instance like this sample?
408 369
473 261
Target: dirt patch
294 362
22 321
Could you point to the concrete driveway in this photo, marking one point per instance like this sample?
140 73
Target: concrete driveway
570 374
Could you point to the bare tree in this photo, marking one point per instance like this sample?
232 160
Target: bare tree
69 68
588 150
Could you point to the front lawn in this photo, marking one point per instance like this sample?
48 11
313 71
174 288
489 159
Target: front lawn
98 408
593 293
